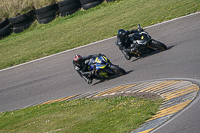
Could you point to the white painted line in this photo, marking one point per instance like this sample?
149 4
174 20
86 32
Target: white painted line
93 43
173 20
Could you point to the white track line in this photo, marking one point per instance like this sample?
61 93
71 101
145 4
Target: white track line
93 43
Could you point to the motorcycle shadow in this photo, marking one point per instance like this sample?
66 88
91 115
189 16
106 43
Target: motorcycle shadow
146 55
112 77
153 53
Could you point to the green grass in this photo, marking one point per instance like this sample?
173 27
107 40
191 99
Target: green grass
85 27
107 115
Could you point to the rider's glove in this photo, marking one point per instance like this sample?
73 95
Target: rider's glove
99 55
89 81
140 30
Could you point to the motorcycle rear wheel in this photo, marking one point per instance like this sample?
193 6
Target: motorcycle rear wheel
118 70
156 44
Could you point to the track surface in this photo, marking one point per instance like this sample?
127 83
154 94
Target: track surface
54 77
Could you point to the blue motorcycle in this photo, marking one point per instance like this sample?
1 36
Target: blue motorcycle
104 68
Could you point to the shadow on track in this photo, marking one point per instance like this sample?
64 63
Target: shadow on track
153 53
112 77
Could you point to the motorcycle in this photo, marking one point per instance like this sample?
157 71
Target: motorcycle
145 43
104 68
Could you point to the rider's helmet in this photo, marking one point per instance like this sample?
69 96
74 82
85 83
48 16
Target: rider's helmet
78 60
122 34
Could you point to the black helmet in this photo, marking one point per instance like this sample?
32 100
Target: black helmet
122 34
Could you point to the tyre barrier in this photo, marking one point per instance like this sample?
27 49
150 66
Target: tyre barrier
4 23
68 7
22 22
5 28
46 14
87 4
5 31
110 0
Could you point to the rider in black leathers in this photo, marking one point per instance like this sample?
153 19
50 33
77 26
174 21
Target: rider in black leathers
81 66
125 42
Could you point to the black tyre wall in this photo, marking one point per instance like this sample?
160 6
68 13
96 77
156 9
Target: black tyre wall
68 7
110 0
46 20
24 17
22 28
4 23
47 14
91 4
66 2
21 21
83 2
21 24
7 30
46 9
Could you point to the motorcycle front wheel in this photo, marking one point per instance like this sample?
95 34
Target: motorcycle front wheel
156 44
118 70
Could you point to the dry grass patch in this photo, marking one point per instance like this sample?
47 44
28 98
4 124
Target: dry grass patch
43 3
12 8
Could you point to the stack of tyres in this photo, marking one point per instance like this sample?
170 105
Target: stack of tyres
22 22
87 4
5 28
68 7
110 0
46 14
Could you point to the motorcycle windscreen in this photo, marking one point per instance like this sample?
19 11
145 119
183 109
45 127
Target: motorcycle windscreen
141 36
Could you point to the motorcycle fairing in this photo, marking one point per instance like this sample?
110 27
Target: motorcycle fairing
99 63
141 36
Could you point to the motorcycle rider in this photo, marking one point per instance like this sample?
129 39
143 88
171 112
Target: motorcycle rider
81 66
125 42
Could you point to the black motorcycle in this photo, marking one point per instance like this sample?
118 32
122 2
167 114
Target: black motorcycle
144 43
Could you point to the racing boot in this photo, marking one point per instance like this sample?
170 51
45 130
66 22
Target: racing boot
89 81
126 54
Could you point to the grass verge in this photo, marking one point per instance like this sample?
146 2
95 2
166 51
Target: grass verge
85 27
106 115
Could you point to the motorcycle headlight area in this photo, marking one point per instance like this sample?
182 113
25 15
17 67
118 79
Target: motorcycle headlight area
141 42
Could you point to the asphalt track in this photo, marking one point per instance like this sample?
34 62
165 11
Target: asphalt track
54 77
